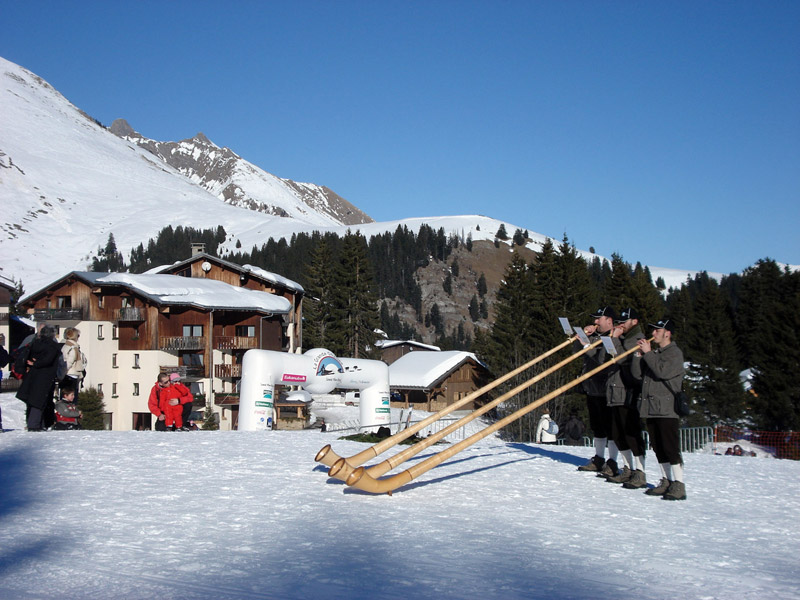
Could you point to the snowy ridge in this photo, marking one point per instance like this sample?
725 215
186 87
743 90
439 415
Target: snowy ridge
66 183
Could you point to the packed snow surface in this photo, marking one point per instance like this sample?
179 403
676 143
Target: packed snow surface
251 515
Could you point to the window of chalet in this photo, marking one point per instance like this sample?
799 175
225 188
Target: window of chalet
192 331
135 389
100 389
100 302
246 331
127 302
136 364
114 364
113 390
187 272
99 332
64 302
114 332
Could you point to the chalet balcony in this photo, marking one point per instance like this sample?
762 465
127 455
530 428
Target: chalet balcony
129 314
58 314
227 371
181 342
191 371
235 342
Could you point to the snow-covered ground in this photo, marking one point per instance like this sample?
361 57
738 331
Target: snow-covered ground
251 515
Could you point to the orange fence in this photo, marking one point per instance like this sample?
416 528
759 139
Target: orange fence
781 444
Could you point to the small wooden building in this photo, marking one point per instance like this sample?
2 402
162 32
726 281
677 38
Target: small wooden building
431 381
391 350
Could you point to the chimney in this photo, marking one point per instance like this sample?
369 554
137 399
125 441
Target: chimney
198 248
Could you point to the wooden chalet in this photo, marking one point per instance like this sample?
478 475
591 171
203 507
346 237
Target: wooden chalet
391 350
135 326
431 381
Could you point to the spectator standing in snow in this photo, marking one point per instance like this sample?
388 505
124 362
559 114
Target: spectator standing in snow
595 388
5 358
185 398
622 392
76 365
662 375
546 430
39 382
163 395
574 429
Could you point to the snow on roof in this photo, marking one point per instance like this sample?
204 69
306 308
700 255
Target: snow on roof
206 293
274 278
383 344
423 369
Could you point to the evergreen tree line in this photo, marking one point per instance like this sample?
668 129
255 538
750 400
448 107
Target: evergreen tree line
744 321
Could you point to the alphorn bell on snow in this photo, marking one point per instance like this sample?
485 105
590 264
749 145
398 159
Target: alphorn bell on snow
328 457
341 470
364 481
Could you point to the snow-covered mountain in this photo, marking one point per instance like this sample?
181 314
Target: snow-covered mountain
67 182
239 183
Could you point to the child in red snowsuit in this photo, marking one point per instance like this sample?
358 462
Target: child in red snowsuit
174 414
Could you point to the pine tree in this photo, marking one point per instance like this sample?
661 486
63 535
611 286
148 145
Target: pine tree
501 233
352 332
708 346
482 288
209 419
92 407
474 309
319 302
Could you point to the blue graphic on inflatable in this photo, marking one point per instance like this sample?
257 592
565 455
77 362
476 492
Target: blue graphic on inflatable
329 365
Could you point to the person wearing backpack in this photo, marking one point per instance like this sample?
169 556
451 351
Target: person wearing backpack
39 382
546 430
574 430
74 359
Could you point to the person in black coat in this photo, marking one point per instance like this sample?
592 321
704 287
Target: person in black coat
39 382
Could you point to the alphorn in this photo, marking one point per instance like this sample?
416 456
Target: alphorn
328 457
341 470
362 480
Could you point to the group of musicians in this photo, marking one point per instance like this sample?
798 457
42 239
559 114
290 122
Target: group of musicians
640 386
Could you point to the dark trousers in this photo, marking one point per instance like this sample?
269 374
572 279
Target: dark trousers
626 430
665 440
599 416
34 418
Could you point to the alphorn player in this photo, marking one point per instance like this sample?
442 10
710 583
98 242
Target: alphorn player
595 388
662 373
622 393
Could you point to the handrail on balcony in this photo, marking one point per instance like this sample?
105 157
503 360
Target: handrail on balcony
181 342
129 314
227 371
184 370
58 314
235 342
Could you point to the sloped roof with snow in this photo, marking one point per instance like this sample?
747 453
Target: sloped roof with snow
422 370
204 293
384 344
258 272
174 289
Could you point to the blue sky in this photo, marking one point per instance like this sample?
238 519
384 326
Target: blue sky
668 132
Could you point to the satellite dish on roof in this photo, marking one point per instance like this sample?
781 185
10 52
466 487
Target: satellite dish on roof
206 266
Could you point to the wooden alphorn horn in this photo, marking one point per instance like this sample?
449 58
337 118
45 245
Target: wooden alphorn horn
328 457
341 470
360 479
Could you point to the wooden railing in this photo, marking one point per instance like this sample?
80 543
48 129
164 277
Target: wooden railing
184 370
129 314
181 343
235 342
227 371
58 314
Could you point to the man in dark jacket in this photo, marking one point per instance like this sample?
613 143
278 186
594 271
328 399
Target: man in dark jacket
662 374
39 382
622 393
595 388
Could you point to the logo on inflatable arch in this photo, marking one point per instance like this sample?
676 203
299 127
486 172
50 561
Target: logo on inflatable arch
324 362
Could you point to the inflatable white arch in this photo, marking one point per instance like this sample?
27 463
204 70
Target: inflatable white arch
317 371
